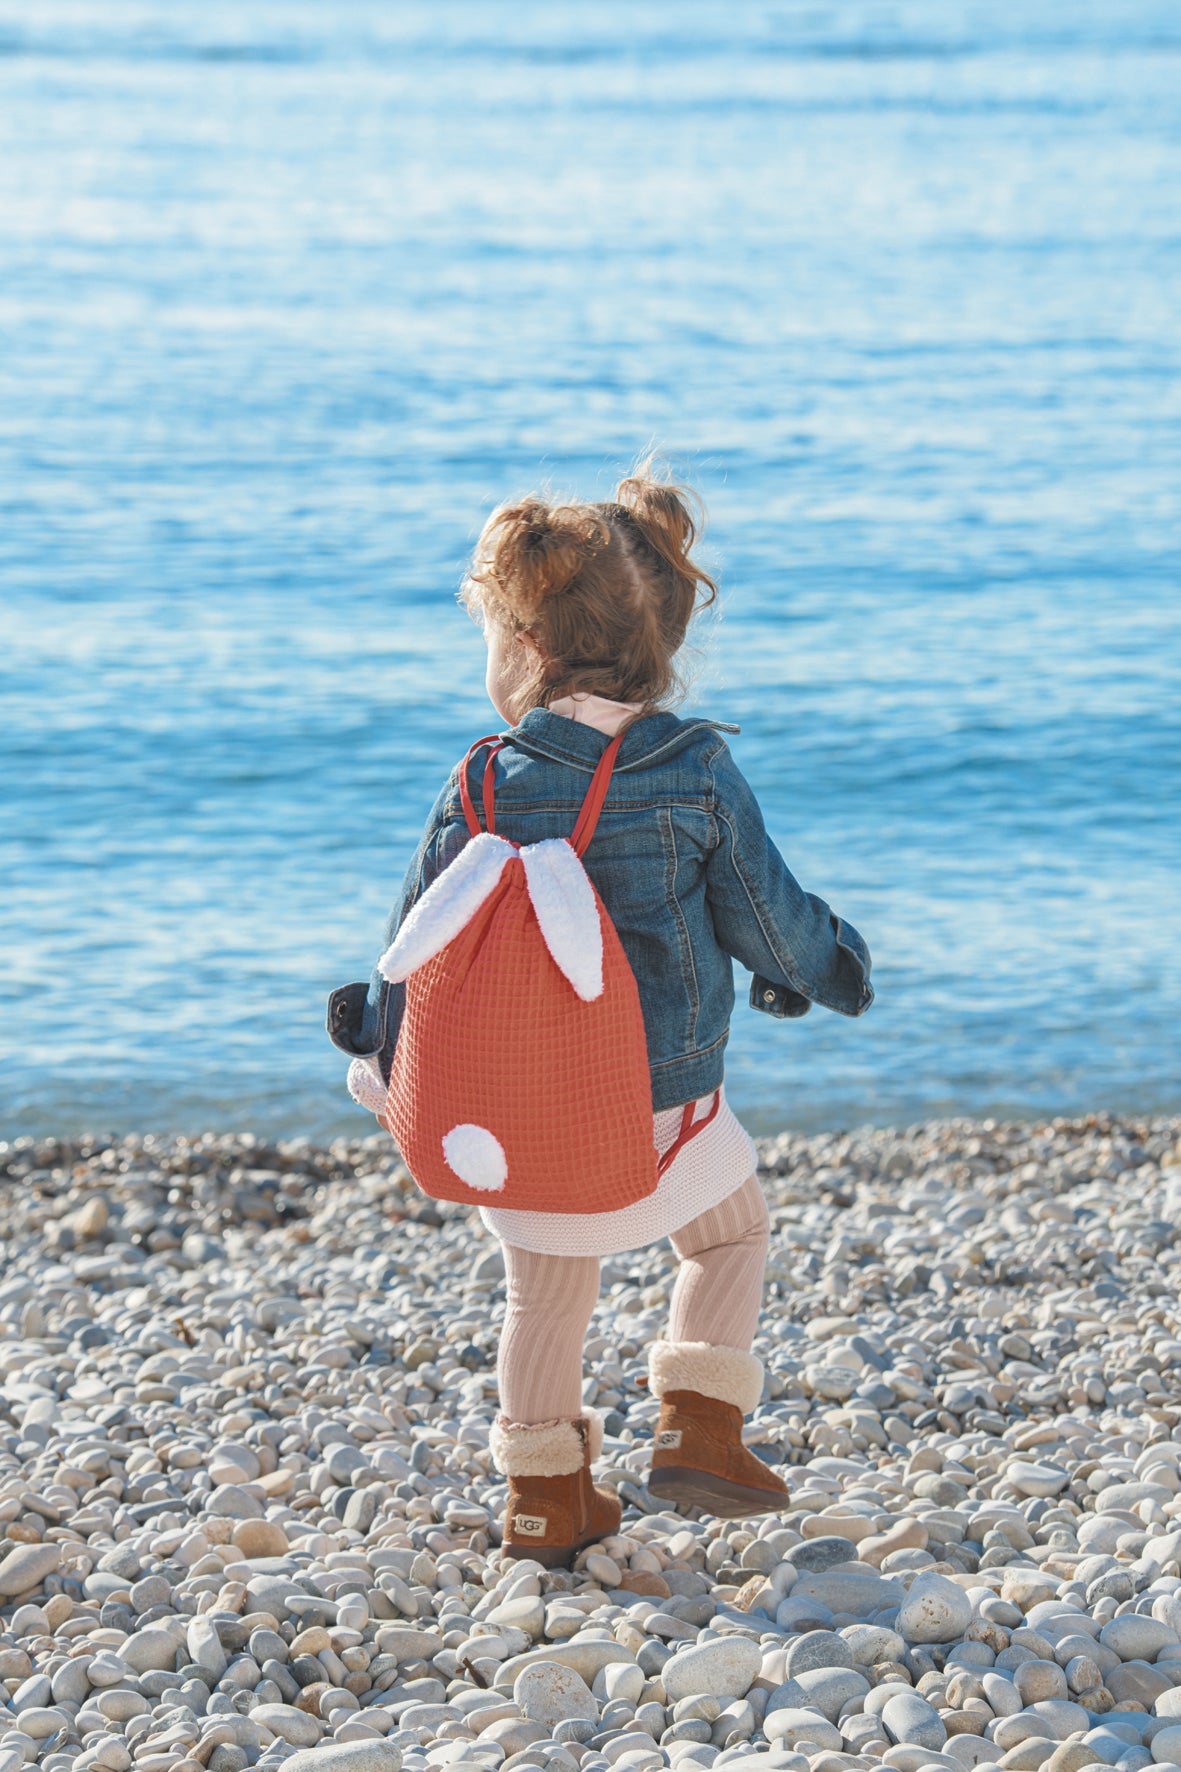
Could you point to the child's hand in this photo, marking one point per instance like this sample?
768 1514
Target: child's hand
366 1086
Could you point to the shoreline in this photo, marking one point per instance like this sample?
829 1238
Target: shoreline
267 1125
1102 1121
247 1509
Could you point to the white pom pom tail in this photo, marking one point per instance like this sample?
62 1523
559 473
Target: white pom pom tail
472 1153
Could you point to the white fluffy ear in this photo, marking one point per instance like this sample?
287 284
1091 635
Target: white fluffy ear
564 901
447 906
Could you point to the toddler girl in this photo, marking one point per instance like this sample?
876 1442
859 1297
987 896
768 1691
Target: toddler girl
584 608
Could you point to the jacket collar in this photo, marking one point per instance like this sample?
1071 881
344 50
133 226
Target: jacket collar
646 741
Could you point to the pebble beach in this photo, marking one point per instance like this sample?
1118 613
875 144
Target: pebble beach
248 1516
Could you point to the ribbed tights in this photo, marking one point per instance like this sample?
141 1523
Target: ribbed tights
716 1298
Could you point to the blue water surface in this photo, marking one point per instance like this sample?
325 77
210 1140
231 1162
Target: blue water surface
292 293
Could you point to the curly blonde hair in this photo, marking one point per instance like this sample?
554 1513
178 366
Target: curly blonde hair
605 591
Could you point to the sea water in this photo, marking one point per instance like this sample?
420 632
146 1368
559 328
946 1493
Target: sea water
291 294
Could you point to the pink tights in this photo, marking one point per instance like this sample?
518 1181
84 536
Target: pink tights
716 1298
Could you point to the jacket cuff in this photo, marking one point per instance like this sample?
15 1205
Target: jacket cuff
356 1020
852 945
778 1000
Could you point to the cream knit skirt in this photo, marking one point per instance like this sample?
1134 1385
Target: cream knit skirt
707 1171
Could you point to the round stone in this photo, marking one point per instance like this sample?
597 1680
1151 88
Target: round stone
32 1694
1037 1680
230 1463
826 1689
71 1682
588 1656
573 1730
260 1538
1135 1637
1057 1718
1070 1756
818 1648
525 1614
935 1486
724 1667
233 1501
838 1590
347 1756
1134 1683
1166 1746
550 1693
226 1757
1036 1478
288 1723
205 1650
835 1383
909 1718
817 1554
799 1612
117 1703
150 1649
26 1566
624 1681
795 1726
935 1610
109 1755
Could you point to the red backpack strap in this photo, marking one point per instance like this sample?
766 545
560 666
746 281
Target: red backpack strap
588 818
486 794
689 1128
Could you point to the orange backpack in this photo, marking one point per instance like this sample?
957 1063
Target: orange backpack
520 1078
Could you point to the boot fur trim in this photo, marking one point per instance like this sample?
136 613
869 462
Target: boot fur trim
543 1448
726 1374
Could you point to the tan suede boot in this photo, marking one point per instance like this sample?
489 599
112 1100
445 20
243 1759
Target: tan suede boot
553 1509
699 1459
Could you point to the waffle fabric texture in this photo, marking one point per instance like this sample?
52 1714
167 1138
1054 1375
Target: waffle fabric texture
704 1172
494 1037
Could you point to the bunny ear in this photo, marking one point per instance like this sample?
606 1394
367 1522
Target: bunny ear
447 906
564 901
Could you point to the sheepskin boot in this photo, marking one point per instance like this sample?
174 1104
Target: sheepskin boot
553 1510
699 1458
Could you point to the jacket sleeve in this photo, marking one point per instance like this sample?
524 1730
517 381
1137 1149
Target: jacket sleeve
386 1002
800 951
363 1020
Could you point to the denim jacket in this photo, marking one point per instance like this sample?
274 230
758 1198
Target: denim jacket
682 861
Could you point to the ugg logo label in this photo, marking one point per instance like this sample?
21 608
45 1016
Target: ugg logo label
669 1440
530 1525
